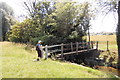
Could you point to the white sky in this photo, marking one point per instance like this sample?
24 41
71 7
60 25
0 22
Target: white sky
16 5
104 23
101 23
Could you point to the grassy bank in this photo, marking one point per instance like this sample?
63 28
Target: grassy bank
18 63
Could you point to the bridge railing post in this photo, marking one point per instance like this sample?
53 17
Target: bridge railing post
71 44
62 51
92 44
76 47
97 45
46 52
83 44
88 45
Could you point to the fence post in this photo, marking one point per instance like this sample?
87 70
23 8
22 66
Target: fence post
46 52
107 46
76 47
71 46
97 45
62 51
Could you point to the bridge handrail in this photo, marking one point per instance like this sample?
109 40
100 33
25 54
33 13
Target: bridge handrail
72 48
65 44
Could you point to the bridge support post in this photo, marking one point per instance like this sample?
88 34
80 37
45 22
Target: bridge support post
46 52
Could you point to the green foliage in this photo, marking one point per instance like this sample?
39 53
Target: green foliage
23 32
53 23
7 19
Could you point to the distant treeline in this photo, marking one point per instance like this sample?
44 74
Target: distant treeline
104 33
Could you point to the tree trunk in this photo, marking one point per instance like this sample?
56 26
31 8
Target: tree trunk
1 36
118 35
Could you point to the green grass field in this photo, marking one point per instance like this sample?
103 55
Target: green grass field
18 63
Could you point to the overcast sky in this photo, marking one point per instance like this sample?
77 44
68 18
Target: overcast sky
101 23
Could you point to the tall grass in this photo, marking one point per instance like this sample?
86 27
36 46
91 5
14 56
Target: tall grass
18 63
111 38
102 39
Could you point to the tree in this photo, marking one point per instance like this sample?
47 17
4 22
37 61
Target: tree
118 35
53 23
23 32
72 20
1 36
6 19
40 12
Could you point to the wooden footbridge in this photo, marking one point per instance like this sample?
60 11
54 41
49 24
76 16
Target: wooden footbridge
63 50
79 52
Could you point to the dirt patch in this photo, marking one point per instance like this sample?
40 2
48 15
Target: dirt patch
109 70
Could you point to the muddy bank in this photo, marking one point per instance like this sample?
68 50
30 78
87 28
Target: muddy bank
109 70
